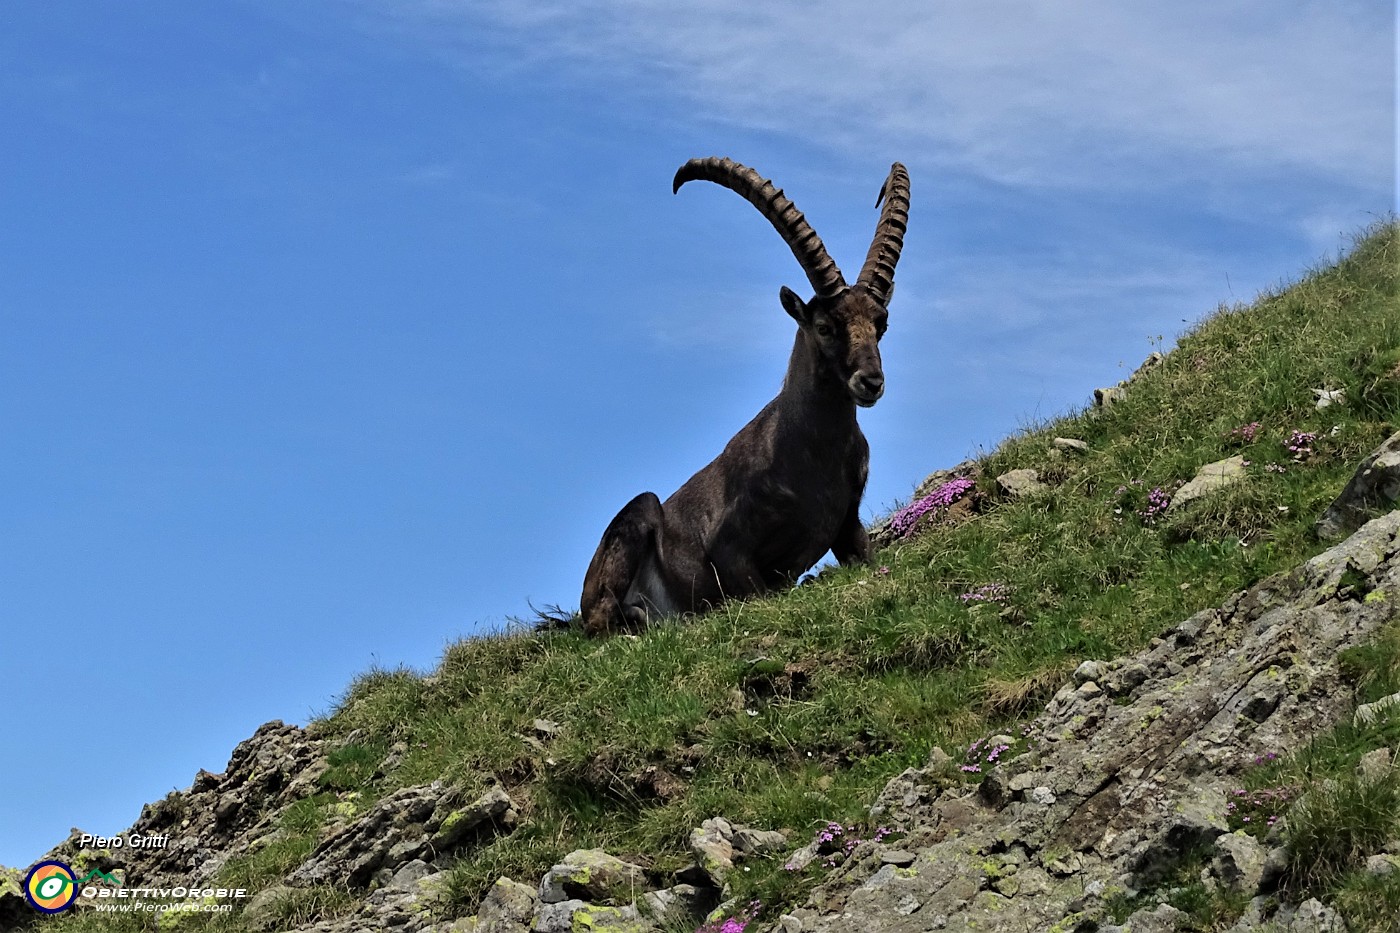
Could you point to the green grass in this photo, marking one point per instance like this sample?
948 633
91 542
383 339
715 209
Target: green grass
791 711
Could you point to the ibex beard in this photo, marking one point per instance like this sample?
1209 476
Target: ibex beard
787 488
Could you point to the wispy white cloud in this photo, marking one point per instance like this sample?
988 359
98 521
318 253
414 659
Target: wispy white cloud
1026 93
435 173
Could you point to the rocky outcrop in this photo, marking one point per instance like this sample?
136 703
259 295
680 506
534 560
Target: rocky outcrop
1375 486
1131 764
411 824
218 817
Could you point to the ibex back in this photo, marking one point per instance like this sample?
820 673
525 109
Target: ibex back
787 487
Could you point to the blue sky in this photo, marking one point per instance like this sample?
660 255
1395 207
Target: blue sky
334 331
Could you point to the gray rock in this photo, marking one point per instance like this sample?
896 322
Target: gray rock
678 904
747 841
1109 395
1368 713
264 910
714 850
1312 916
1210 478
1163 918
939 477
1018 484
1374 765
1089 670
1198 817
1071 443
1147 365
507 908
406 877
595 876
557 917
1383 865
1326 398
1275 867
1239 862
1375 486
419 822
448 826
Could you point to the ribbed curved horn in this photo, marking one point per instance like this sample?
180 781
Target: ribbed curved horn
821 270
877 275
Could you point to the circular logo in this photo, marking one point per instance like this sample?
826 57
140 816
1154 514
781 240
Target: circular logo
50 887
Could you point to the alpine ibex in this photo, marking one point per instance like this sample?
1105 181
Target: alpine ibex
787 487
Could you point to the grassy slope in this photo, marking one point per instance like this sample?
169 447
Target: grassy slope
791 711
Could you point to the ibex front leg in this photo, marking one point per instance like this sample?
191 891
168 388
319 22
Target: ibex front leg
624 585
852 544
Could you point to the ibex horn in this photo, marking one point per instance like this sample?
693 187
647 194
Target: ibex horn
877 275
781 213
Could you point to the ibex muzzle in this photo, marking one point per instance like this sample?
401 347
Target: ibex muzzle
787 487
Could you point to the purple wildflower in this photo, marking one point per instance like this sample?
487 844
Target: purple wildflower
1244 434
903 521
1300 443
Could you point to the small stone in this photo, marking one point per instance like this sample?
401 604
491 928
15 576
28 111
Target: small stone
1089 670
593 875
1018 484
678 903
508 902
1326 398
713 850
408 875
1109 395
556 918
757 841
1043 796
1368 713
1312 916
1128 679
1374 765
1071 443
263 910
1210 478
897 857
1239 862
1381 865
1163 919
546 727
1088 689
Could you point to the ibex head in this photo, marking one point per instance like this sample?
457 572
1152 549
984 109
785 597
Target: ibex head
843 323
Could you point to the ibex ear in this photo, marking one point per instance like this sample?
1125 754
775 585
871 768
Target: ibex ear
794 306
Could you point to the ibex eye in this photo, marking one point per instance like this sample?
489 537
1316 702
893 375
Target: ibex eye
824 330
